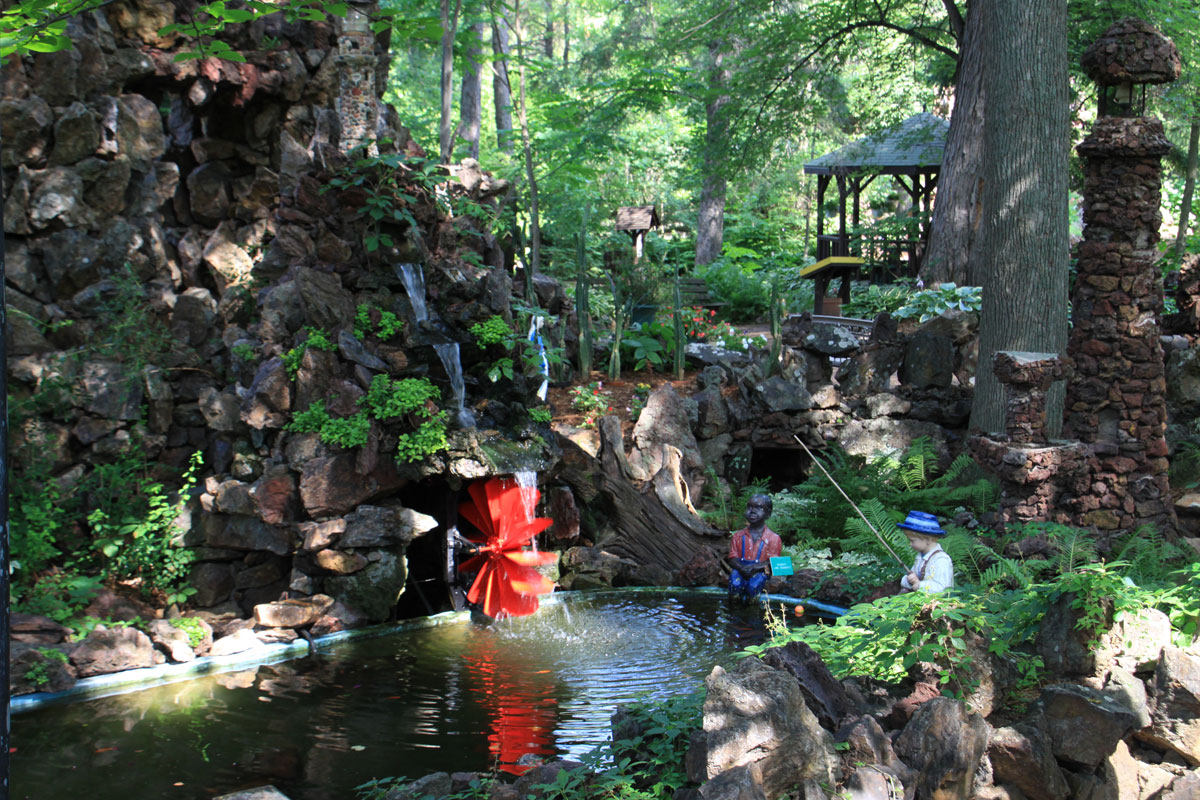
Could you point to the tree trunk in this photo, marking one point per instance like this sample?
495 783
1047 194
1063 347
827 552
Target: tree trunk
567 39
501 89
548 37
1189 188
1022 247
446 126
535 227
470 111
710 222
955 221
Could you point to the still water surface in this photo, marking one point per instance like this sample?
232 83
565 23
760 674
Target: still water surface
454 697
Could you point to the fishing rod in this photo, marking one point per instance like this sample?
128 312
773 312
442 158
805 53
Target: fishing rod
854 505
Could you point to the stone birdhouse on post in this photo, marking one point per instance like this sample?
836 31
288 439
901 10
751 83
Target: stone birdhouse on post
636 221
1116 398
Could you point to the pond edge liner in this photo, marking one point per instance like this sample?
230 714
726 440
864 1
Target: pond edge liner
132 680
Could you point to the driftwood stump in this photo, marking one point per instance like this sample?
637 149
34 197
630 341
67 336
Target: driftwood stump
651 522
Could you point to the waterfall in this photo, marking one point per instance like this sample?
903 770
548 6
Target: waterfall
448 353
527 481
414 282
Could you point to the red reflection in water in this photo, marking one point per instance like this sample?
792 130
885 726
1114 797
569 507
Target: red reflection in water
519 699
508 583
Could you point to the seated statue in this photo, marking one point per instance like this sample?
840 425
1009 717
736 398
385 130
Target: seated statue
751 549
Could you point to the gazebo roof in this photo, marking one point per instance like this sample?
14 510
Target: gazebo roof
637 218
912 146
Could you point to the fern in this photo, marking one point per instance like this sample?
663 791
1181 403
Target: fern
862 539
1147 556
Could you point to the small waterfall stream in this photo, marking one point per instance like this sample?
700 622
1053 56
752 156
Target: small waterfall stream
448 353
413 277
527 481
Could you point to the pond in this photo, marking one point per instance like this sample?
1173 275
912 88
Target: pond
454 697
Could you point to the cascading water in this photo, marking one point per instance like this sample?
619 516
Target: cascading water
527 480
413 278
448 353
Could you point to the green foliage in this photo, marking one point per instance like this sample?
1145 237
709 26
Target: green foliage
315 419
192 627
132 523
649 352
40 516
387 325
60 595
314 338
388 398
388 185
641 393
725 504
493 330
243 351
815 513
427 439
347 432
740 284
542 416
929 303
501 368
867 302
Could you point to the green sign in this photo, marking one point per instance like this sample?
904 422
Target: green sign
781 565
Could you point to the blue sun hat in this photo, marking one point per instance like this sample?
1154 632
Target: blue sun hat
922 523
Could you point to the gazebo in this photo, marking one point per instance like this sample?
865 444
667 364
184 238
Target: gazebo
910 152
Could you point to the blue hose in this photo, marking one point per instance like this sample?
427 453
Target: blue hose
816 606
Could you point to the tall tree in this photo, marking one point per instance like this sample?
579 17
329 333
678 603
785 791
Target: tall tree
501 88
470 103
1023 246
1189 187
710 222
446 124
955 220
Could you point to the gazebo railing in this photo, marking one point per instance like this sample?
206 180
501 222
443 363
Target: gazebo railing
884 254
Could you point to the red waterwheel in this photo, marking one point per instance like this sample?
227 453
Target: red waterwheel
507 583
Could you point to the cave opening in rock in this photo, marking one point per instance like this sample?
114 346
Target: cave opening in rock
781 467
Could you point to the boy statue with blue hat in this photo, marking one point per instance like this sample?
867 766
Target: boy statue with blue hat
933 571
751 550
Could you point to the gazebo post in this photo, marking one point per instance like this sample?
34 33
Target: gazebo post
822 185
841 184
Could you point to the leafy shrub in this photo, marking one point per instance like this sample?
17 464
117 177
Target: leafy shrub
427 439
132 523
742 286
929 303
314 338
387 398
542 416
347 432
867 302
387 326
58 594
493 330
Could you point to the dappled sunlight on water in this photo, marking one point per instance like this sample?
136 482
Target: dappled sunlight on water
454 697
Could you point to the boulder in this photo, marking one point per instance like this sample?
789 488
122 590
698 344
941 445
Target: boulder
779 395
339 617
332 485
227 262
374 589
326 304
823 695
831 340
703 569
944 743
58 197
140 134
26 130
868 437
275 495
268 404
736 783
236 532
870 370
105 651
384 526
1084 724
76 134
222 412
544 775
171 640
870 744
208 192
340 562
756 715
291 613
319 535
1185 787
1183 382
213 582
39 669
257 793
1135 641
104 185
872 782
1175 718
237 642
592 568
1022 756
928 361
36 629
1064 648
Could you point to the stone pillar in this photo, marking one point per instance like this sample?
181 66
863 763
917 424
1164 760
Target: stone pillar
1116 398
1034 474
357 107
